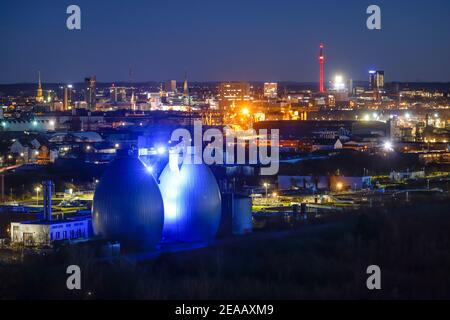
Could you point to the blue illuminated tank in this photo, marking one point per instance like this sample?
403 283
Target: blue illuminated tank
128 205
192 202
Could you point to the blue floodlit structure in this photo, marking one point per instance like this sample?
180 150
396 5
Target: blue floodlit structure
128 205
192 201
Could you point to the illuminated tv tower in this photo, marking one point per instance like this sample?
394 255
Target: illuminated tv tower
321 61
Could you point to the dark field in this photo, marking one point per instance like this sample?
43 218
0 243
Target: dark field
327 260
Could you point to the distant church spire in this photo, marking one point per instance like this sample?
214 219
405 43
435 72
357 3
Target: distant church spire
186 90
39 95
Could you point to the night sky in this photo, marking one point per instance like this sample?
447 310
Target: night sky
253 40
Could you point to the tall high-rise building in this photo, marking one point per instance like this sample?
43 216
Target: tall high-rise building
67 97
91 92
170 86
270 90
39 95
350 86
376 80
233 93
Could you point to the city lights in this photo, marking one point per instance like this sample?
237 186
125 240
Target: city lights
161 150
388 146
339 83
37 189
266 186
221 150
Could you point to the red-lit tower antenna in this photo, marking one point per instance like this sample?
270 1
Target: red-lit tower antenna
321 61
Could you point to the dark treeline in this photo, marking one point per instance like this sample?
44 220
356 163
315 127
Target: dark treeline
320 261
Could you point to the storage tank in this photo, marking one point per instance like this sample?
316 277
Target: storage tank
237 218
192 201
242 215
128 205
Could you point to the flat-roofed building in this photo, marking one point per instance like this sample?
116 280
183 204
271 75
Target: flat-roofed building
270 90
170 86
44 232
233 93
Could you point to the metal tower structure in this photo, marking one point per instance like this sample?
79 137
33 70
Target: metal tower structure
321 62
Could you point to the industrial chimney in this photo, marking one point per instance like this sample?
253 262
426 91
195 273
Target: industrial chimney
48 185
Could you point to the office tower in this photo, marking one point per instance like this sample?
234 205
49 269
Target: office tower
90 92
170 86
233 93
350 86
67 96
376 80
270 90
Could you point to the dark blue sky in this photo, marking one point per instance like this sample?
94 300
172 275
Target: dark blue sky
223 40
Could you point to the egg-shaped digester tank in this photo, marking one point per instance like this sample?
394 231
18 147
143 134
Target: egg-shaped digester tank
128 205
192 201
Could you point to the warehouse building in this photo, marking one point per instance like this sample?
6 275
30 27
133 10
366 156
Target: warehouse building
47 230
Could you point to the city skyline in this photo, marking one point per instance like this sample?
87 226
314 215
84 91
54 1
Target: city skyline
203 155
255 41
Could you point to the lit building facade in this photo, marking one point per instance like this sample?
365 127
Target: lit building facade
376 80
170 86
233 93
90 92
270 90
35 233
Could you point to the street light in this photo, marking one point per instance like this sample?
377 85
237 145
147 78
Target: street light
388 147
161 150
37 189
266 185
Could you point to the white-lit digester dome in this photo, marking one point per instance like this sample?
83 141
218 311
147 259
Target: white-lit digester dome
192 202
128 205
